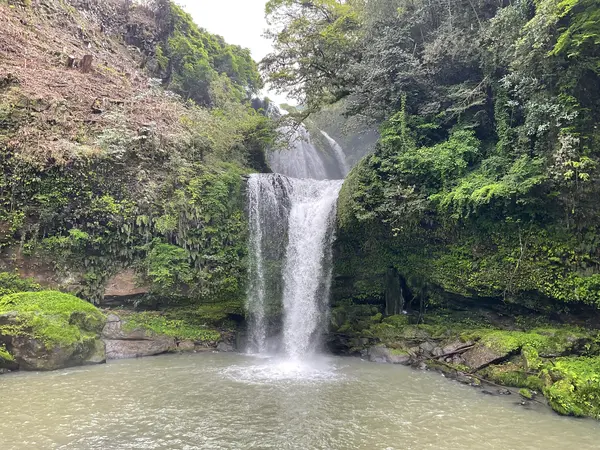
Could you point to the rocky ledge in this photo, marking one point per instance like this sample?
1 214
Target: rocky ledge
542 361
51 330
127 337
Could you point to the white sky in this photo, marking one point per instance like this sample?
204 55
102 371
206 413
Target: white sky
240 22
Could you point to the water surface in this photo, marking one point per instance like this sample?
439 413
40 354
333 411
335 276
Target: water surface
228 401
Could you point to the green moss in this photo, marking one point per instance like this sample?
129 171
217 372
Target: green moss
54 318
545 341
180 324
512 375
576 387
5 355
398 352
526 393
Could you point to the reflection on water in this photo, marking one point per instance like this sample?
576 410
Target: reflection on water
222 401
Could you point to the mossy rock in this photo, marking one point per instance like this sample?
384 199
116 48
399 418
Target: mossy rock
178 324
576 387
50 330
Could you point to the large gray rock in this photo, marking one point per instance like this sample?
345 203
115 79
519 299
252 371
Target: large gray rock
225 347
382 354
124 344
454 346
31 354
124 349
482 356
113 330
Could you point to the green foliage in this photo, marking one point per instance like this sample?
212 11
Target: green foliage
11 283
5 356
167 267
314 42
193 60
576 389
485 179
53 318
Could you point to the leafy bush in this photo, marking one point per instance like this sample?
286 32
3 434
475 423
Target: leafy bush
11 283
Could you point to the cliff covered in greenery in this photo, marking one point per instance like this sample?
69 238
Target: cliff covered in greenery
484 183
469 237
132 166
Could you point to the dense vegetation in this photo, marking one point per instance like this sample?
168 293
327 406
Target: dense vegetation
122 171
478 210
484 182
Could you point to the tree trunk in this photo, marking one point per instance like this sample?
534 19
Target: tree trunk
86 63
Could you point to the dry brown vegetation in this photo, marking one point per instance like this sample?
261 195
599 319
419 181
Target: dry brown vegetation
60 109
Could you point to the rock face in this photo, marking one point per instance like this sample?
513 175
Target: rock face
383 354
482 356
123 344
31 354
121 287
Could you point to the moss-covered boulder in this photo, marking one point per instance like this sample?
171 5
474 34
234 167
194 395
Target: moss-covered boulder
49 330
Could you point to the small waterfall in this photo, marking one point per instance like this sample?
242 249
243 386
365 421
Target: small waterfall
301 160
338 152
291 215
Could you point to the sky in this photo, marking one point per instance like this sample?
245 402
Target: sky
240 22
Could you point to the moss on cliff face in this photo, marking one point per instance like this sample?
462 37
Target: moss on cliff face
5 355
199 323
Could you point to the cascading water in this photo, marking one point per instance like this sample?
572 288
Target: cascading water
338 152
292 216
306 273
301 160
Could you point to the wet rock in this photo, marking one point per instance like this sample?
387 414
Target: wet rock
437 352
113 330
186 346
225 347
124 349
464 379
454 346
32 354
382 354
503 392
124 344
482 356
49 350
427 347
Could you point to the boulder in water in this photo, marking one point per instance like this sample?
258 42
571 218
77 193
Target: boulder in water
122 343
49 330
382 354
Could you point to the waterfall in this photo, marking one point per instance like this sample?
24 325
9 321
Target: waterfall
291 218
338 152
306 272
301 159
